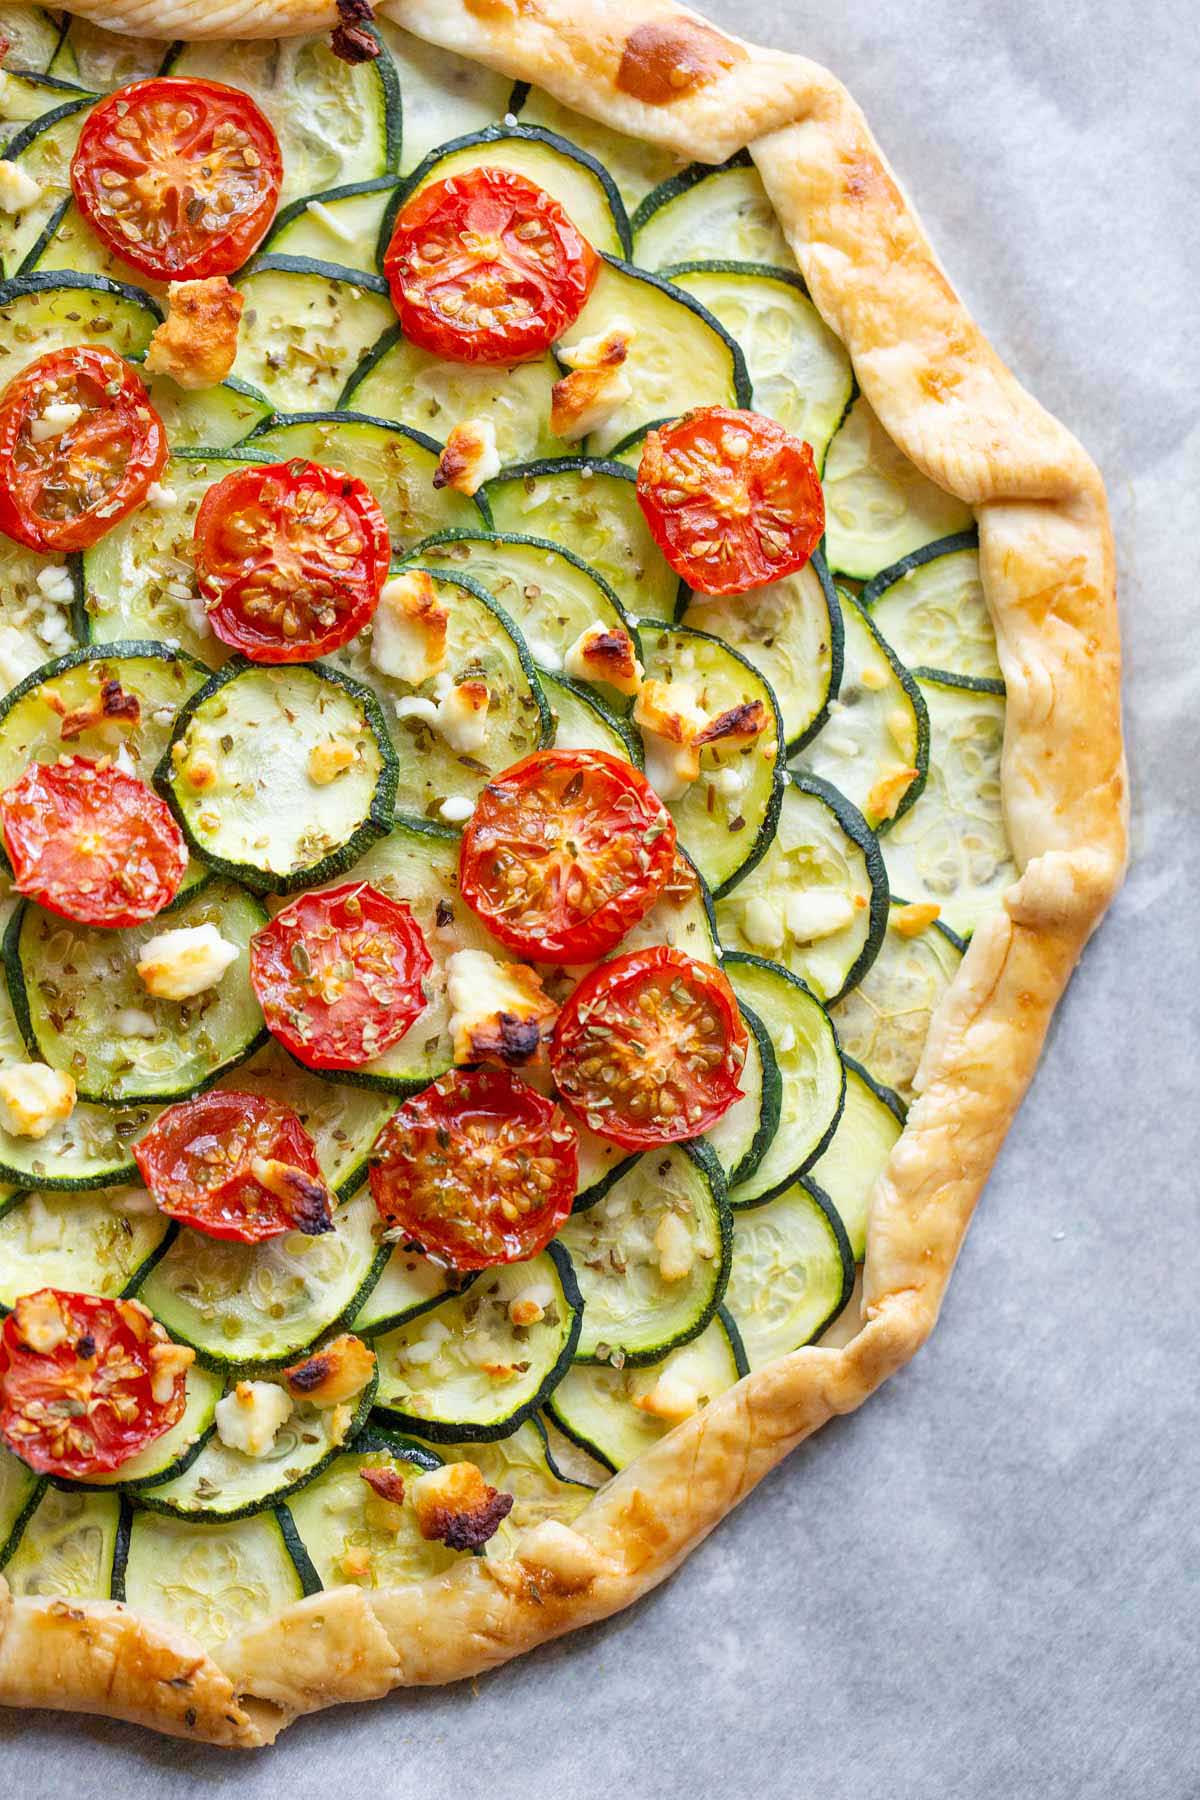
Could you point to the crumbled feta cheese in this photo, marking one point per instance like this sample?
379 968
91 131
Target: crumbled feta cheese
456 809
543 652
498 1011
329 760
160 498
470 457
131 1021
911 920
54 419
249 1419
18 189
423 1349
529 1306
175 965
168 1362
670 721
55 583
34 1099
408 632
325 216
605 653
462 717
197 343
817 913
676 1251
672 1398
598 384
39 1321
762 923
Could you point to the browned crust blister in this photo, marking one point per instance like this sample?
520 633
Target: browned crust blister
655 70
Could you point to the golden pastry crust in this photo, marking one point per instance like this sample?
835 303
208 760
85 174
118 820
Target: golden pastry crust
656 70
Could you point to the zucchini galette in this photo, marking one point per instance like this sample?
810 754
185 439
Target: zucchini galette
559 744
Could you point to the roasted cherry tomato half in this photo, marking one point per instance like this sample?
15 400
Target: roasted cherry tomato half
178 178
486 267
86 1383
477 1169
291 558
733 500
649 1048
235 1165
338 975
80 445
89 842
564 853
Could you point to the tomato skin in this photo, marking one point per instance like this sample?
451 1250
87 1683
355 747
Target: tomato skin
103 465
511 273
104 1365
295 958
683 1016
91 843
733 501
437 1176
573 821
175 171
197 1160
291 559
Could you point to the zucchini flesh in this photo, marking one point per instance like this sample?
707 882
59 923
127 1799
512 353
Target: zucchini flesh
32 34
582 722
606 1411
704 206
206 418
100 59
464 1371
725 829
410 1284
682 916
43 151
341 225
878 506
397 465
520 1465
791 1275
352 1535
952 849
209 1580
264 1303
90 1242
20 1490
445 95
874 744
592 510
68 1547
884 1022
305 326
336 121
636 167
741 1139
632 1312
791 630
68 981
26 98
847 1170
809 1069
237 774
342 1121
800 371
679 357
481 645
547 591
67 242
40 313
823 848
932 610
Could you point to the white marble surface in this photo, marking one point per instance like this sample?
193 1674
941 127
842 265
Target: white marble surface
986 1584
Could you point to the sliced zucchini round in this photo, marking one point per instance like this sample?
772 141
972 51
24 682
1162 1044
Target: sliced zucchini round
614 1414
817 902
221 1483
635 165
240 1304
237 777
351 1535
812 1081
726 833
704 206
791 630
874 744
633 1312
341 224
212 418
39 313
582 722
792 1272
175 1451
68 1547
520 1465
482 644
396 462
591 510
952 849
445 95
209 1580
343 1121
43 151
27 97
90 1243
398 380
20 1490
67 242
884 1022
931 608
683 917
546 589
847 1170
743 1136
409 1285
679 355
68 983
878 506
305 323
464 1372
800 371
581 185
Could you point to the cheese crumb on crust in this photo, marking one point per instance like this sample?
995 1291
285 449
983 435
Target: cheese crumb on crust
597 385
197 342
456 1505
251 1417
176 965
335 1373
605 653
888 792
34 1099
470 457
408 632
498 1011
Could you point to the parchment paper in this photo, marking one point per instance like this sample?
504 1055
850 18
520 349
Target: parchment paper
986 1584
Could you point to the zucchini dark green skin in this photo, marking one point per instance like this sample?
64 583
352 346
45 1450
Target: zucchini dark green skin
366 362
583 1202
978 684
391 1321
132 1286
120 1560
450 1432
742 386
681 183
41 281
860 833
906 678
22 139
376 825
471 585
772 1090
32 1501
614 722
499 134
741 1360
887 1095
118 1175
275 262
296 208
886 578
442 538
293 1543
44 238
382 1438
